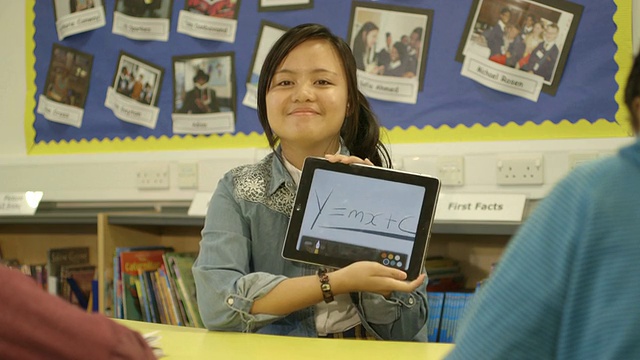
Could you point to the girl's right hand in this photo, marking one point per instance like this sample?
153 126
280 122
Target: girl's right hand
372 277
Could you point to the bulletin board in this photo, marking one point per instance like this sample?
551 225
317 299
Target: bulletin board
449 107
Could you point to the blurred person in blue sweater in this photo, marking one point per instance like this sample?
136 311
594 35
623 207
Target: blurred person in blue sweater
566 286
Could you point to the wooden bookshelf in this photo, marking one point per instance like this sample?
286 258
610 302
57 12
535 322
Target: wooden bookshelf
141 229
476 245
29 238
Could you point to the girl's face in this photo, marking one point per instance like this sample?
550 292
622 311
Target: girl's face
394 54
537 29
371 38
307 98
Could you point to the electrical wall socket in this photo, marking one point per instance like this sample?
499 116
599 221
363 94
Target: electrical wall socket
577 159
187 175
419 164
451 170
520 170
154 176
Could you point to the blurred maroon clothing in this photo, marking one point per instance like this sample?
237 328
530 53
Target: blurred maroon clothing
37 325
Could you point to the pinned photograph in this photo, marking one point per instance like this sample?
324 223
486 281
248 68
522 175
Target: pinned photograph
390 46
209 19
142 19
268 35
133 96
78 16
518 47
204 94
284 5
66 86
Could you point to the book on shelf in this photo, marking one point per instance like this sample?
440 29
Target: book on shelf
179 305
118 288
56 258
149 295
12 263
163 307
142 297
36 271
435 300
130 263
446 282
170 296
77 283
162 289
180 265
434 262
444 274
446 309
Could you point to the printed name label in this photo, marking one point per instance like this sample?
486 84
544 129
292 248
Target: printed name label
199 204
19 203
480 207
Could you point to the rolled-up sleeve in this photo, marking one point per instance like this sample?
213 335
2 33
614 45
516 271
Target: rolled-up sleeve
403 316
226 287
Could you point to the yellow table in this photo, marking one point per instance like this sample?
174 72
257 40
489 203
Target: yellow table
183 343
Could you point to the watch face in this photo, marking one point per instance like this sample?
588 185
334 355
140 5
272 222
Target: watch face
325 287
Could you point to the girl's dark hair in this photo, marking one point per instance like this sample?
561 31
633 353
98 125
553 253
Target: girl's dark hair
359 42
360 130
632 91
402 50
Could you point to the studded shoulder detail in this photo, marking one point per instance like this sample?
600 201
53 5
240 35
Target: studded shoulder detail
250 184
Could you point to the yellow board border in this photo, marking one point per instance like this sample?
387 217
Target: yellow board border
602 128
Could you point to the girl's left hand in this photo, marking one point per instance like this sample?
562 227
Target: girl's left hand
334 158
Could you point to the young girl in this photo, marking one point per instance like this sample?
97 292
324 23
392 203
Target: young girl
308 105
364 48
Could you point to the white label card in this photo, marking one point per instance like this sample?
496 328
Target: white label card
82 21
502 78
20 203
207 27
480 207
140 28
211 123
251 97
60 113
199 204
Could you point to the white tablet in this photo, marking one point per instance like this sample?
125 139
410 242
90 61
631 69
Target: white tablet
348 213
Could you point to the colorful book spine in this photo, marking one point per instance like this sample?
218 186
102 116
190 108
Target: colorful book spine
169 293
435 301
143 296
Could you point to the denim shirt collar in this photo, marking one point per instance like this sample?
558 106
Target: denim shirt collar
279 173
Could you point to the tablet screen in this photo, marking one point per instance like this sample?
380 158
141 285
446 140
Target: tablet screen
347 213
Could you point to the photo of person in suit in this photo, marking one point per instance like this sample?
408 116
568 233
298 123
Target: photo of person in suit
67 80
531 41
124 81
515 46
399 64
529 22
414 50
495 36
202 98
144 8
384 55
544 57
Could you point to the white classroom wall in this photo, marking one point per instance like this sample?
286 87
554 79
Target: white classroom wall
112 177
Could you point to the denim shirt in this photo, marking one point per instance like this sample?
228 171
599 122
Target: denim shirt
240 261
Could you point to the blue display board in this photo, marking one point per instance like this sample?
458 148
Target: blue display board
587 90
